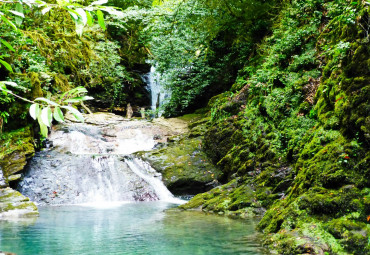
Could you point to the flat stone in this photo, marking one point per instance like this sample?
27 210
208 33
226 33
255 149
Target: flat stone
14 205
14 177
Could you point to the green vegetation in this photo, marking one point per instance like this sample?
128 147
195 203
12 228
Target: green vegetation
286 90
295 128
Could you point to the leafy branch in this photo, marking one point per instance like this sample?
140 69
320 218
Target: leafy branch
45 110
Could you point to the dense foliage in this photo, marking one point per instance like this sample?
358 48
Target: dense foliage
292 135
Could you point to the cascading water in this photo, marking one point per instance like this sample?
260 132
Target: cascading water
158 93
88 163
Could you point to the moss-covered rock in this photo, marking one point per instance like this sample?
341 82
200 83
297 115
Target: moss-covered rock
17 148
14 204
231 199
185 168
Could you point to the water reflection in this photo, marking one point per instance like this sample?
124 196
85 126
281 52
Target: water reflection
135 228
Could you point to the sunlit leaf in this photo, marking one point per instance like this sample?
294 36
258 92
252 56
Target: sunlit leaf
79 27
11 83
34 111
19 8
17 13
7 45
78 99
90 21
75 113
58 114
73 14
46 101
8 22
101 19
82 15
113 11
43 127
7 66
45 10
46 116
99 2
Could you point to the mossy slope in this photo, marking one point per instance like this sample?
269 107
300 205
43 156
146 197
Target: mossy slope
293 134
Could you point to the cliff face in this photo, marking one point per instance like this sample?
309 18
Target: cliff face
293 134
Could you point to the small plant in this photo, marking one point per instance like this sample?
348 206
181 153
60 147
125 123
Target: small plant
3 119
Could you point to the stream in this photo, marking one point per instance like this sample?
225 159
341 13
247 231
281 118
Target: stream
95 197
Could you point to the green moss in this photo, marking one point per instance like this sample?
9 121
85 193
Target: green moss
182 162
17 147
13 202
298 142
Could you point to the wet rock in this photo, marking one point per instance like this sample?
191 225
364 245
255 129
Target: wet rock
185 168
14 205
87 162
3 182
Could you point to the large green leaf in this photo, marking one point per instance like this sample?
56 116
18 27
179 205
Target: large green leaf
7 45
8 22
82 15
13 84
7 66
46 116
46 101
75 113
73 14
78 99
45 10
58 114
19 14
43 128
19 9
90 21
101 19
35 111
99 2
74 92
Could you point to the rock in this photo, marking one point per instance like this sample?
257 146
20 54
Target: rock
14 177
14 205
18 149
184 166
3 183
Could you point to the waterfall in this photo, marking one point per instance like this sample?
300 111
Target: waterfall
89 163
158 93
147 173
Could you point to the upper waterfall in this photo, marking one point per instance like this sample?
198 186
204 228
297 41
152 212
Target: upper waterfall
158 92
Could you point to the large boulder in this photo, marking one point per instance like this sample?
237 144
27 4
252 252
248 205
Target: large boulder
185 168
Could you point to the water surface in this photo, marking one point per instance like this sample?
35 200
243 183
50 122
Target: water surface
130 228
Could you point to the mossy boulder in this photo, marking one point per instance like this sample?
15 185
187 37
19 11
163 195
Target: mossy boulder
185 168
14 205
18 147
231 199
